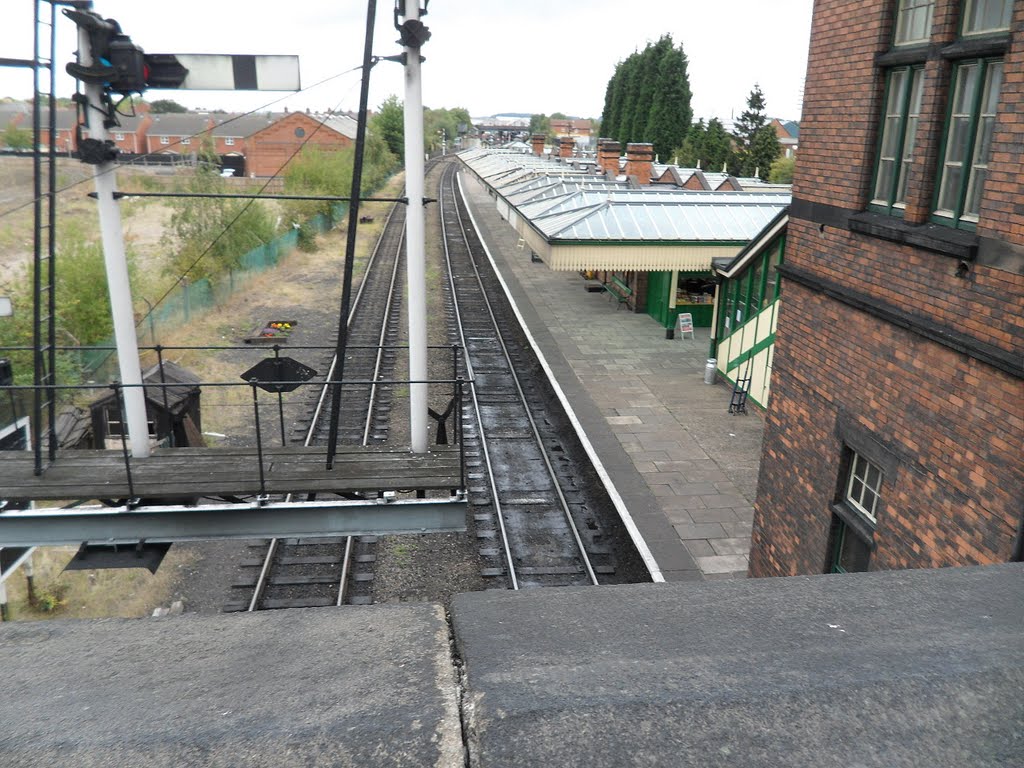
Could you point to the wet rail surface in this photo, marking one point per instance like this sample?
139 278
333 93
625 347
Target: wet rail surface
538 511
531 512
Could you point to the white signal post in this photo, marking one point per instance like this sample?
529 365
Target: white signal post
415 241
117 267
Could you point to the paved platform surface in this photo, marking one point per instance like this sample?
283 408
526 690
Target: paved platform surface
686 469
877 670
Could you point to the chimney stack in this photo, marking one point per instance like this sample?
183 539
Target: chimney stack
638 162
608 151
566 145
537 141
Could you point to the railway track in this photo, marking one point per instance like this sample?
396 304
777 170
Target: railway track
530 512
538 512
302 573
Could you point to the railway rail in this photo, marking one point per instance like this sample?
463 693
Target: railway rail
529 509
293 573
539 514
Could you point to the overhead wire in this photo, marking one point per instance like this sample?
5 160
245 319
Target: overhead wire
249 203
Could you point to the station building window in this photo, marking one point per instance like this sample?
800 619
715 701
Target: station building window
976 75
753 289
968 140
855 514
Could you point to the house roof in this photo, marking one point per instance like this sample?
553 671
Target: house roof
182 384
179 124
72 424
11 109
238 125
66 119
581 221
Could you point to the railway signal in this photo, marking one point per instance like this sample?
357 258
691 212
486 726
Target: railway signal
109 63
278 374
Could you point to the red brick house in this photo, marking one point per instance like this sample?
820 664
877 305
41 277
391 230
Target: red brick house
788 134
578 130
895 434
130 135
178 133
66 139
271 147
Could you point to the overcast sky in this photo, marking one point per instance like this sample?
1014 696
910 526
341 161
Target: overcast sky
488 56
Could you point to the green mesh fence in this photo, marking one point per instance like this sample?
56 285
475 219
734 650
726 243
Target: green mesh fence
190 298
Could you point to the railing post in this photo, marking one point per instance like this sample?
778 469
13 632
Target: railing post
458 429
280 395
163 388
118 394
259 443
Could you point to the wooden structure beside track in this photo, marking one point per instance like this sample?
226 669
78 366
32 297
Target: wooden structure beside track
196 472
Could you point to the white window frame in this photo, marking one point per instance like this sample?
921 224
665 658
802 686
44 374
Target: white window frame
186 140
986 5
911 14
118 137
863 486
965 165
165 140
229 141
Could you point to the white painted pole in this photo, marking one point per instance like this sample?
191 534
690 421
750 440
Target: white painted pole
117 269
415 242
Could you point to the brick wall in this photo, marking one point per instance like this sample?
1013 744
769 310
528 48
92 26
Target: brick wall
874 353
271 148
954 425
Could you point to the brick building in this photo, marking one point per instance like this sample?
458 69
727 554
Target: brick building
895 434
270 148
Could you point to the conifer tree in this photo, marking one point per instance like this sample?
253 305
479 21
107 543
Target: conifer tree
751 120
647 98
669 119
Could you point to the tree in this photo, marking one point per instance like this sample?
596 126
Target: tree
444 124
782 171
389 124
648 97
166 106
757 144
323 172
764 150
670 112
210 235
709 147
17 138
540 124
82 301
751 120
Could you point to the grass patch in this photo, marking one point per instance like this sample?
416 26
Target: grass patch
127 593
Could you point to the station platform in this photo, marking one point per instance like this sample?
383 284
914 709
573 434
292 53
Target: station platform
893 669
685 469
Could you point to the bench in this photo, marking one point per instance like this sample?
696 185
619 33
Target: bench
617 289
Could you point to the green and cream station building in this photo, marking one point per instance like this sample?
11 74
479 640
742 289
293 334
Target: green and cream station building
660 240
747 310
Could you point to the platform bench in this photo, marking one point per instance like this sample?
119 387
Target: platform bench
619 290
